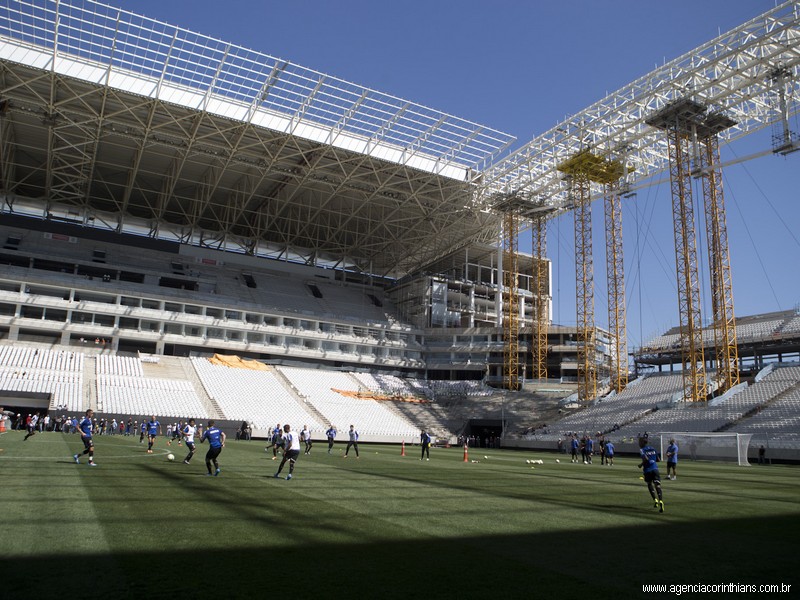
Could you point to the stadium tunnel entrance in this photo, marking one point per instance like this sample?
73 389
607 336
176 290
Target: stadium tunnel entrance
487 432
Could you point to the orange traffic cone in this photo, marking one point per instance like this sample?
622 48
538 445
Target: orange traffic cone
466 454
403 449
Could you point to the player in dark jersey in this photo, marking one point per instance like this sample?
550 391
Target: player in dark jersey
331 435
216 439
85 429
649 466
425 442
153 431
574 448
672 459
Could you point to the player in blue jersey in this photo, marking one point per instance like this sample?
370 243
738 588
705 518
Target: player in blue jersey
85 429
216 439
275 441
352 441
574 448
672 459
589 450
189 431
153 431
649 466
291 450
425 442
609 453
331 435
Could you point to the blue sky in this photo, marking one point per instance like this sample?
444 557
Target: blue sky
521 67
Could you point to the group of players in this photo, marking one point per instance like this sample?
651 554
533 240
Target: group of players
289 441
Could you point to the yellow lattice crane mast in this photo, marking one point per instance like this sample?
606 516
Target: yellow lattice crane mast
541 293
724 323
582 169
510 295
679 121
615 276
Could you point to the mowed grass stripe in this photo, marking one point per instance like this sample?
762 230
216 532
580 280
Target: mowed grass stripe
387 518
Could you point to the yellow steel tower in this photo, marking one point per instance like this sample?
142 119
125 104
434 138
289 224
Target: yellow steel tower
724 322
615 275
541 292
679 121
510 294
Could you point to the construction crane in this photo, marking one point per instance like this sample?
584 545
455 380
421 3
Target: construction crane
510 294
583 169
615 277
541 293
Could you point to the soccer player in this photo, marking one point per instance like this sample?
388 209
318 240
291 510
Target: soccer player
276 440
305 436
291 450
425 442
85 429
649 466
672 459
216 441
189 432
574 447
31 426
142 431
352 441
331 435
589 450
153 431
609 453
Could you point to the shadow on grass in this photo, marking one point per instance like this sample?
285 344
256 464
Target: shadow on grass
611 563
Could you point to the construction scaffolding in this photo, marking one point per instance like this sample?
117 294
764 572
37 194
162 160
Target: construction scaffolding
510 295
723 321
541 291
615 276
679 121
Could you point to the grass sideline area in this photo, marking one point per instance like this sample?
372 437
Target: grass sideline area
383 526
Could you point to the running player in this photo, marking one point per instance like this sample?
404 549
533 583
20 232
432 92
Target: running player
649 466
189 432
153 430
672 459
305 436
352 441
275 441
85 429
216 439
32 426
331 435
291 450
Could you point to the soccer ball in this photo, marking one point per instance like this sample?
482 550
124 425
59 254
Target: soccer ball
558 461
486 457
528 462
170 457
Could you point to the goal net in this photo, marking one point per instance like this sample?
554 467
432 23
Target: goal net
708 446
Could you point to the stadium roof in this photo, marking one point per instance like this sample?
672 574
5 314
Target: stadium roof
121 121
750 74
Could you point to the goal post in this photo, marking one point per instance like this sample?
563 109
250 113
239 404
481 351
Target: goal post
708 446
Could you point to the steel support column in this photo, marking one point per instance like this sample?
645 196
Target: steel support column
541 291
615 275
510 293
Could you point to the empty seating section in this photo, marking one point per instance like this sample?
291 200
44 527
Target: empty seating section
109 364
450 389
632 403
254 396
369 416
144 396
388 385
38 370
782 416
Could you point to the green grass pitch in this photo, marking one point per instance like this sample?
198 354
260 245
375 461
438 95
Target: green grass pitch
383 526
